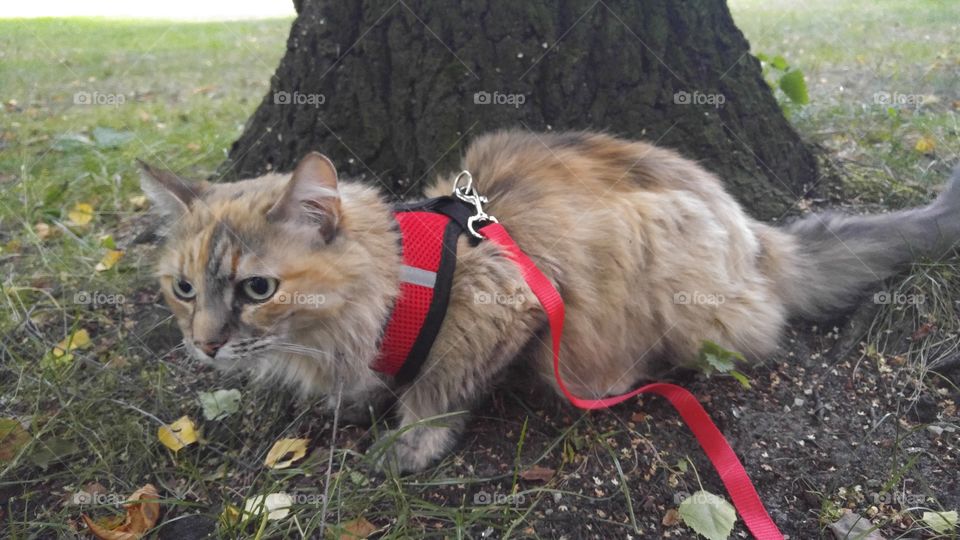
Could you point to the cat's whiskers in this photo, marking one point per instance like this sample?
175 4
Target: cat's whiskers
302 349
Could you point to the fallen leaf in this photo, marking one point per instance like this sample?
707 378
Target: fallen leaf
671 518
42 230
275 505
231 516
925 145
708 515
107 241
81 214
52 450
139 202
179 434
109 260
12 439
357 528
143 511
941 522
220 403
851 525
111 138
79 339
296 449
537 473
925 330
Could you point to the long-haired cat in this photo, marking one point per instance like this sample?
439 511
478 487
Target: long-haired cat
293 276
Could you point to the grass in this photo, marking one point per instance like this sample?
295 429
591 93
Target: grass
187 88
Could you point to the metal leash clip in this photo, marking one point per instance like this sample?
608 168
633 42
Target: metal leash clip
467 193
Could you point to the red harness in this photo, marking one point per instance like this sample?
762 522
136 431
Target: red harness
429 250
429 231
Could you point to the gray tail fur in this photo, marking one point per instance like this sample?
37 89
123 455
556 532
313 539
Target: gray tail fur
836 257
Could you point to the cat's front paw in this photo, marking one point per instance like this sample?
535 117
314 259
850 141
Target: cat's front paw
413 450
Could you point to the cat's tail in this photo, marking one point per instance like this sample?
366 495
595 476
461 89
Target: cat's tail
834 258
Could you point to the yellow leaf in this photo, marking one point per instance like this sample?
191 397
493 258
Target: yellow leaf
181 433
81 214
108 260
358 528
292 449
231 516
79 339
925 145
139 202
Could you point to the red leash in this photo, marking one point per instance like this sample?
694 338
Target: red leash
728 466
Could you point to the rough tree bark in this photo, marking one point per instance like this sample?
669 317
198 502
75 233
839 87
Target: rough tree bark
394 90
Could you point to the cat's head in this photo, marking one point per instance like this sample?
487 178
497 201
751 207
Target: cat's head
250 267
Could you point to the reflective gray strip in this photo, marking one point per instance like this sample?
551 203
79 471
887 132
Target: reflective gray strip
418 276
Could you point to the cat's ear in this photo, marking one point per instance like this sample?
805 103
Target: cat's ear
169 194
311 196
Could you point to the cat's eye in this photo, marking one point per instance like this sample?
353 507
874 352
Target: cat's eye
259 289
184 289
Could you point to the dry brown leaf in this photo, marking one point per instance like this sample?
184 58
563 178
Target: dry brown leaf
925 330
537 474
12 439
42 230
671 518
143 511
358 528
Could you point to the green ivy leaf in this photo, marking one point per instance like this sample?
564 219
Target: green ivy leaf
941 522
713 357
741 378
780 63
219 404
708 515
794 86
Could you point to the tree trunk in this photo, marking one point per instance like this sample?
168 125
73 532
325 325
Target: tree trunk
394 91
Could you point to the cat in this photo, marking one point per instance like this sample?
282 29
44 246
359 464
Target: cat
649 252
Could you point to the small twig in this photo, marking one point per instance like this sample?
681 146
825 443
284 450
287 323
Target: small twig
333 443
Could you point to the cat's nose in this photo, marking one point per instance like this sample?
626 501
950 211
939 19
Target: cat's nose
210 347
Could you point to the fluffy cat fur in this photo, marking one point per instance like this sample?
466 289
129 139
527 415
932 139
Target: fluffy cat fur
650 253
